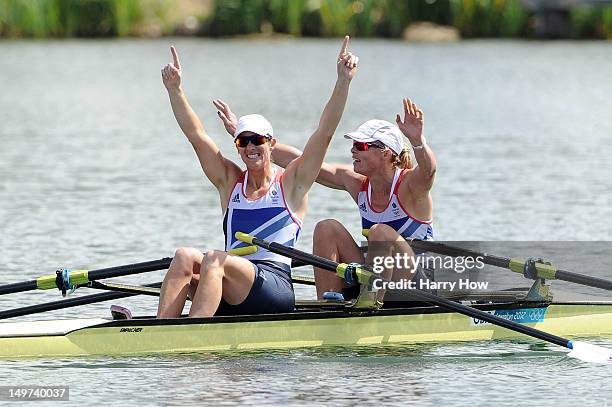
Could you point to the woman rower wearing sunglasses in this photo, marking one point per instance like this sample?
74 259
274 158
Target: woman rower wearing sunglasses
262 200
393 197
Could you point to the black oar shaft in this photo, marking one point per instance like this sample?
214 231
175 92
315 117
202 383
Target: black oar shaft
68 303
442 248
18 287
504 262
476 313
130 269
584 280
296 254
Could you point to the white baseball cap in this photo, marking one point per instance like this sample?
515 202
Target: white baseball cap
255 123
379 130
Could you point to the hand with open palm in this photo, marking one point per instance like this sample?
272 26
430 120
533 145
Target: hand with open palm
412 124
229 119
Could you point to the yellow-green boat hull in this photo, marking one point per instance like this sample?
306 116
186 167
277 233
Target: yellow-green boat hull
296 330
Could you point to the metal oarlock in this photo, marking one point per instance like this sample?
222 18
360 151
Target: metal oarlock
62 280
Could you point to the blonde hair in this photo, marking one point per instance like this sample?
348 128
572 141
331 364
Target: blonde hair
402 160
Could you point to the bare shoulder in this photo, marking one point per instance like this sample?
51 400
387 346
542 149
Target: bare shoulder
232 174
410 188
409 177
353 182
410 172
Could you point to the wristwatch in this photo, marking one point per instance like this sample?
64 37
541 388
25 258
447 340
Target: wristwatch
420 146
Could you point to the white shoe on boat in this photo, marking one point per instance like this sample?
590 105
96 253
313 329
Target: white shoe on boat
119 312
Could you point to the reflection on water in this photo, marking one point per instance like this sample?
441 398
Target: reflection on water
455 374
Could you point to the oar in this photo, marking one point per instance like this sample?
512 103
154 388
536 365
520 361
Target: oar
155 292
352 272
121 291
579 350
152 291
64 279
529 268
68 303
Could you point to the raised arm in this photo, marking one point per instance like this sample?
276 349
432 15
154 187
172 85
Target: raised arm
302 172
217 169
335 176
422 177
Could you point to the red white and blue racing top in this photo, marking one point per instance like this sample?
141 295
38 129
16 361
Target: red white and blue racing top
394 215
268 217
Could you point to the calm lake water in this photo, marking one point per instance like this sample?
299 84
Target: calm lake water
94 172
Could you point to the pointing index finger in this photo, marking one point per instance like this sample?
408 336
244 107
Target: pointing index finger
344 46
175 57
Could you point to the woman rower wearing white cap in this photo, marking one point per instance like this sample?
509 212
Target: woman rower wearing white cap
393 197
262 200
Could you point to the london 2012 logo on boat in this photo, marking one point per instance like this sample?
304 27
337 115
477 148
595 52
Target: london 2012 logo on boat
521 316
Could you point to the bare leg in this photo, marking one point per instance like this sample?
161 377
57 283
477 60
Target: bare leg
221 275
185 264
332 241
385 241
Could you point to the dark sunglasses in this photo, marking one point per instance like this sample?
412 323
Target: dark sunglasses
362 146
256 139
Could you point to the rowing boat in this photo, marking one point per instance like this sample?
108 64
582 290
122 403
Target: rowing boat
311 325
502 315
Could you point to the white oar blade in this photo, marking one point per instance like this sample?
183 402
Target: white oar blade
590 353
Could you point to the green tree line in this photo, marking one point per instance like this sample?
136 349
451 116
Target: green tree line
363 18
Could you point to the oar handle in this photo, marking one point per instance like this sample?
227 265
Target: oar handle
307 258
351 273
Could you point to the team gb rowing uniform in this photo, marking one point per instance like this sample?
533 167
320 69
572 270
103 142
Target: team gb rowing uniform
394 215
268 218
398 218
